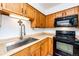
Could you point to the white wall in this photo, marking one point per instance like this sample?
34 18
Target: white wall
10 28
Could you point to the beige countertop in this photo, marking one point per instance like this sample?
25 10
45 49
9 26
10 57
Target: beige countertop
39 36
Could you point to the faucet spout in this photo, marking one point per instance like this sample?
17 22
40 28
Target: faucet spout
22 32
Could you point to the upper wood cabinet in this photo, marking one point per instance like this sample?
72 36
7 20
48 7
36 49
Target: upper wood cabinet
13 8
50 21
59 14
39 20
42 20
35 23
67 12
71 11
29 11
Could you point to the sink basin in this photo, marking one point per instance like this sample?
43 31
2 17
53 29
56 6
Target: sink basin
21 43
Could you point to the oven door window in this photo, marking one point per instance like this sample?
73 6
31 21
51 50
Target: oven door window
64 47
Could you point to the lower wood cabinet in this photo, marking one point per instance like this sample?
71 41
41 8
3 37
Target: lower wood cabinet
36 52
35 49
42 48
51 41
24 52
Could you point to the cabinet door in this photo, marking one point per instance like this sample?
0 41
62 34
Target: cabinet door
37 18
59 14
50 46
35 49
44 48
36 52
30 12
35 23
50 21
13 8
24 52
42 21
71 11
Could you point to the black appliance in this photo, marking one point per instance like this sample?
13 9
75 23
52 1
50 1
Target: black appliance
68 21
66 44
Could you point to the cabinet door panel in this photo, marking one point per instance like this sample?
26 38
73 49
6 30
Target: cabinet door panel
50 46
29 11
35 49
37 18
13 8
44 47
24 52
71 11
36 52
42 21
59 14
50 21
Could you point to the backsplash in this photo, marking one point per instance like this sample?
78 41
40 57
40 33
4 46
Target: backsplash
53 30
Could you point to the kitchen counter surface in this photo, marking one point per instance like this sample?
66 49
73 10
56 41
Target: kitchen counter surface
39 36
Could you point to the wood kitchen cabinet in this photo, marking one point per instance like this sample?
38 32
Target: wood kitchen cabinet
67 12
71 11
51 45
35 49
41 48
50 21
29 11
16 8
44 47
42 20
39 20
59 14
47 46
24 52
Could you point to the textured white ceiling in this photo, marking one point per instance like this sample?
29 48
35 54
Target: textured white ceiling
48 8
48 5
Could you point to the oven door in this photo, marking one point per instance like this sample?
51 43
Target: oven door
64 49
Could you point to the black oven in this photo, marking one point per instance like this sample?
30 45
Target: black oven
66 44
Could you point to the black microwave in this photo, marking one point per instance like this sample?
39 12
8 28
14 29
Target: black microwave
68 21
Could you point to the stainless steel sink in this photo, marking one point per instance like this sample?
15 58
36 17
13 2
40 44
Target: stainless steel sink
21 43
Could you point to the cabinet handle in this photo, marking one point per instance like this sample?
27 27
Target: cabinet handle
1 5
22 10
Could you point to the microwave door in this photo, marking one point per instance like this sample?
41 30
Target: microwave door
63 23
68 21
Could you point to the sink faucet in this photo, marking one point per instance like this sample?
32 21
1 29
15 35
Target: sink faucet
22 32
